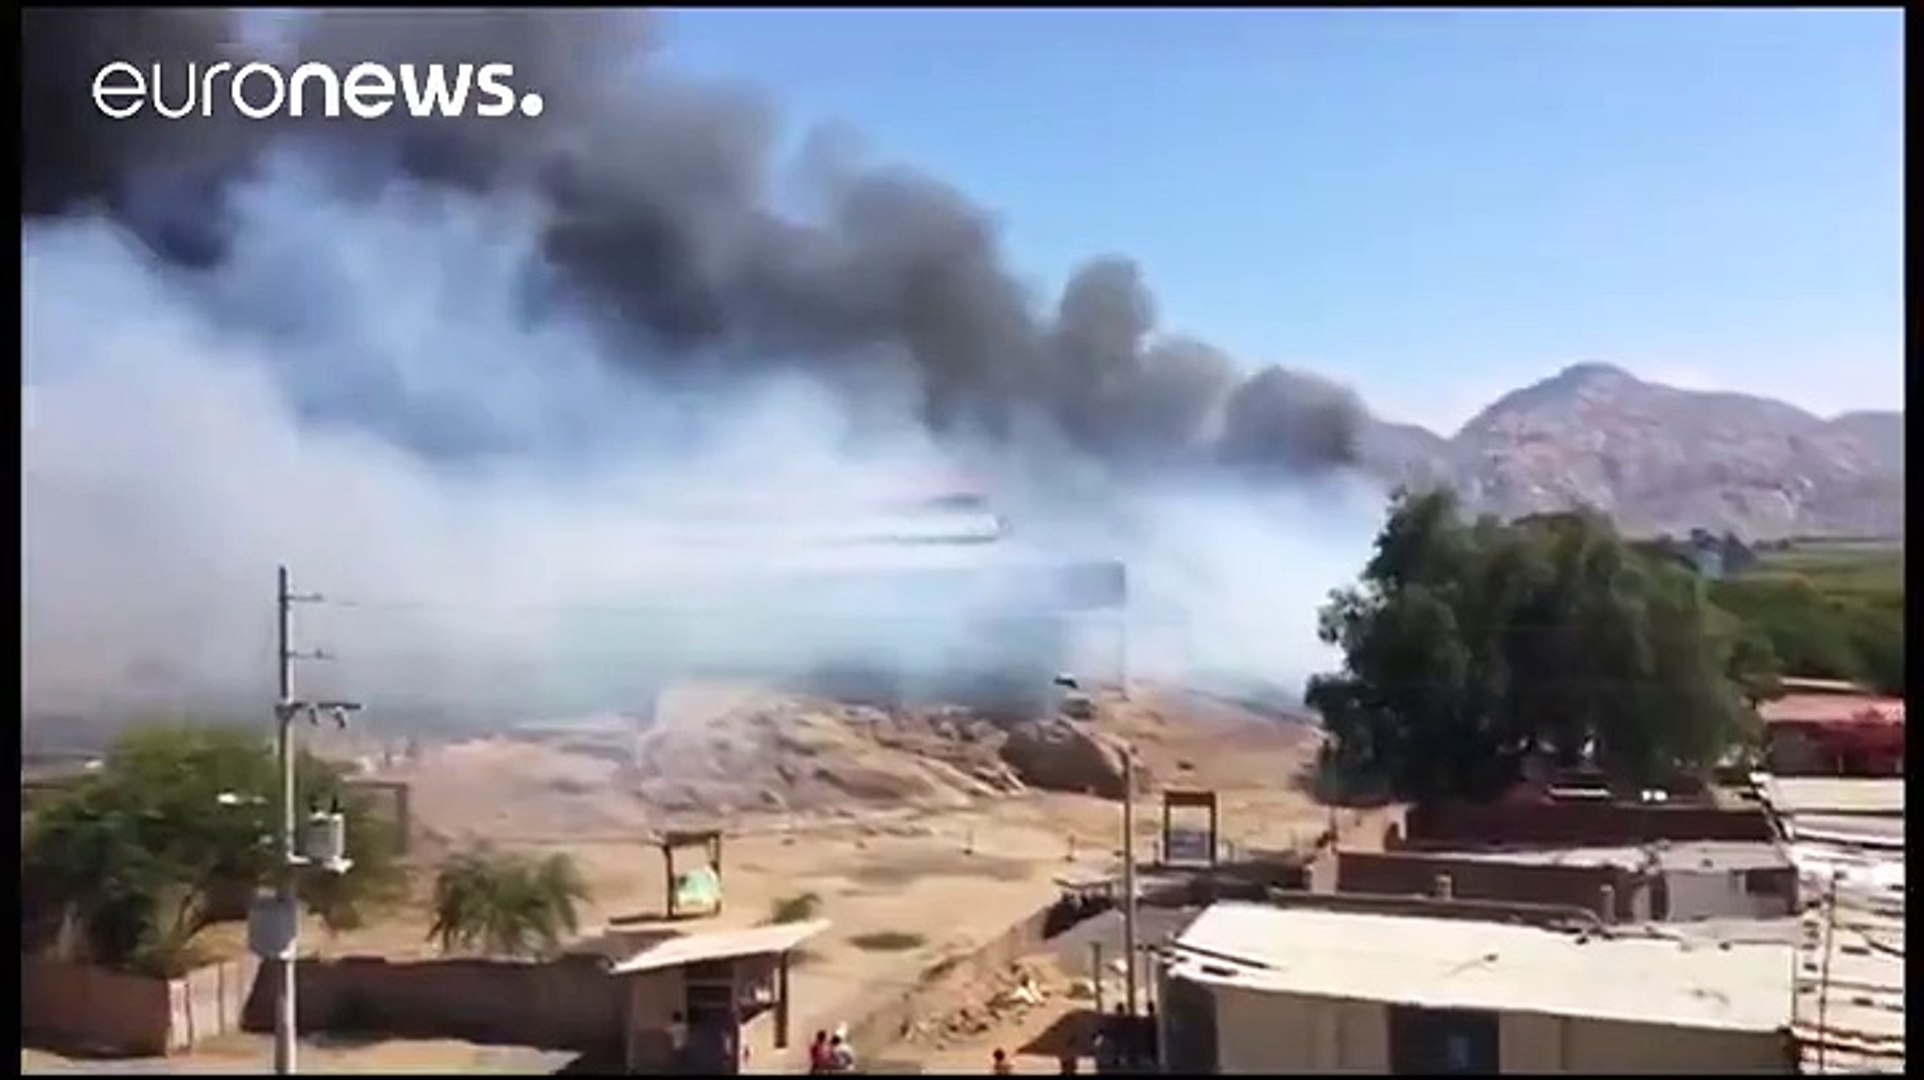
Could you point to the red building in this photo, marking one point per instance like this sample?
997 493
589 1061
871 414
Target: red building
1828 728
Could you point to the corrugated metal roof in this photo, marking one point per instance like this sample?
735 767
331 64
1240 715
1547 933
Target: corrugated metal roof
1846 838
1849 1013
719 945
1449 963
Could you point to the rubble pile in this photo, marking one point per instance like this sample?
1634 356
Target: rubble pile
1008 997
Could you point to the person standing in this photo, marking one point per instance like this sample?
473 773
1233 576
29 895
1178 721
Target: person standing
818 1055
678 1040
841 1055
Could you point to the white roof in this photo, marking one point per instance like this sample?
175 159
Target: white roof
1833 795
720 945
1861 831
1457 963
1870 872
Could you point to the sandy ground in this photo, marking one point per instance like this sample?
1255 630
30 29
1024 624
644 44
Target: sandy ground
947 880
254 1055
941 879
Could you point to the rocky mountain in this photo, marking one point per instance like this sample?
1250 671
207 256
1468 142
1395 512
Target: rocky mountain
1661 459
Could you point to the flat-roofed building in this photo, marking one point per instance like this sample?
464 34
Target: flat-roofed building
1251 988
727 991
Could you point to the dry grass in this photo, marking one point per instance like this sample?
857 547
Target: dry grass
793 909
888 941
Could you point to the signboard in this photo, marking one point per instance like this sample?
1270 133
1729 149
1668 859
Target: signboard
698 890
271 927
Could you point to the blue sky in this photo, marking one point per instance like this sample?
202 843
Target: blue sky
1433 206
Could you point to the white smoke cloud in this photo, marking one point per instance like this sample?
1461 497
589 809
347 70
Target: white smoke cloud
187 430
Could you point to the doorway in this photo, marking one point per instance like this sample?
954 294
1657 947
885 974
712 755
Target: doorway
1443 1042
714 1023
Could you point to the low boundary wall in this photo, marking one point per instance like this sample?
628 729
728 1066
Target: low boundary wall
94 1009
1412 873
571 1003
566 1004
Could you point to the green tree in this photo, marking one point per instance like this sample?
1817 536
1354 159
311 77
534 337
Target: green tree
1823 632
504 904
128 864
1471 646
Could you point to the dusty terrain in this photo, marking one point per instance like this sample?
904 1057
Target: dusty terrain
766 761
889 818
901 824
251 1055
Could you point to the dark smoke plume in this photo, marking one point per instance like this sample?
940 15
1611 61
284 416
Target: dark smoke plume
655 195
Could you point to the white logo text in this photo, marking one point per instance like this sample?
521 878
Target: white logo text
257 91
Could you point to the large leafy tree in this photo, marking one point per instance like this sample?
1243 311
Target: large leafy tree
128 864
505 904
1471 646
1855 634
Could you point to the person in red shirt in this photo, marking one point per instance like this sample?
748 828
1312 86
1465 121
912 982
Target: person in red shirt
818 1060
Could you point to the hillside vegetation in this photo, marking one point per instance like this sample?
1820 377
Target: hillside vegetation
1829 610
1471 646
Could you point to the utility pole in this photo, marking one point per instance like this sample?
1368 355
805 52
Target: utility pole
286 893
1130 957
1096 974
1823 978
284 1027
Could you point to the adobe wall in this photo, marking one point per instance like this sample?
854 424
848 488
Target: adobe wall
1567 824
1415 874
570 1004
94 1009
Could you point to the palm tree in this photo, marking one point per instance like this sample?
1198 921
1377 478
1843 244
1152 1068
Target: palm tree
502 904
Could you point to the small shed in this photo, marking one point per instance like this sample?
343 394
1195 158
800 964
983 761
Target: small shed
710 1002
